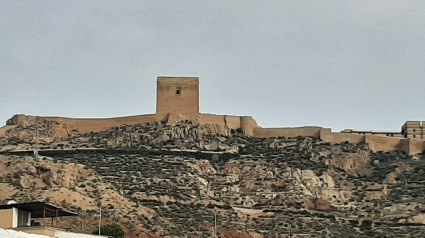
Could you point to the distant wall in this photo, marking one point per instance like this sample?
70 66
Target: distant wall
287 132
216 123
211 119
375 142
249 125
233 122
380 143
84 125
337 138
96 125
21 120
416 146
226 123
222 124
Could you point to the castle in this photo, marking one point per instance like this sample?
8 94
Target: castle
178 100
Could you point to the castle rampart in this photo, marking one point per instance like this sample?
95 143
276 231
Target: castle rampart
381 143
287 132
222 124
248 125
178 100
337 138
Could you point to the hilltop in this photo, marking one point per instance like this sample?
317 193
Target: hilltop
161 180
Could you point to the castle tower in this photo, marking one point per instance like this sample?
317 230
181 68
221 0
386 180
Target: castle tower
178 95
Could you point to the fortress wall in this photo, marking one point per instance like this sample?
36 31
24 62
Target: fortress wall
220 123
22 120
161 117
223 122
85 126
215 123
287 132
337 138
204 119
233 122
380 143
173 118
249 125
416 146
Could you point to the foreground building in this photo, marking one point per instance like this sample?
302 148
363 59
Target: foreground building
26 217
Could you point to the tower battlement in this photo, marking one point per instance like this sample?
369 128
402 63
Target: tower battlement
177 95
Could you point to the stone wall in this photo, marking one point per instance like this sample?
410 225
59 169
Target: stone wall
287 132
380 143
416 146
248 124
375 142
229 122
85 126
220 124
223 124
21 120
336 138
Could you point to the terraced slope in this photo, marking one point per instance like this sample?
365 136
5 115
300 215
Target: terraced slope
180 179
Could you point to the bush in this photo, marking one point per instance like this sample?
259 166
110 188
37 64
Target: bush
112 230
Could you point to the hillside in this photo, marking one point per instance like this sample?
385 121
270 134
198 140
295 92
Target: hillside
158 180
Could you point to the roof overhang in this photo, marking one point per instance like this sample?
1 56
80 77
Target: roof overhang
39 209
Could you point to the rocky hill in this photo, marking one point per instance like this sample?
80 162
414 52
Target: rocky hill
158 180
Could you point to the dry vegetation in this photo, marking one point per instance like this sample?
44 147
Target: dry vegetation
158 180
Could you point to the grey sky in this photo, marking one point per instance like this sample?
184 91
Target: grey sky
338 64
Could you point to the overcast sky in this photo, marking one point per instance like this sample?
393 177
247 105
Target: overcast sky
338 64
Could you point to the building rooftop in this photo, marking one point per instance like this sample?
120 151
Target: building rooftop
39 209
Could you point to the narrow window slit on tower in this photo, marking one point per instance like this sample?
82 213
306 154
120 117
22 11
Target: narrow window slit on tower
178 91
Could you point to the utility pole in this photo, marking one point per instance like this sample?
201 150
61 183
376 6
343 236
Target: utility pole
100 216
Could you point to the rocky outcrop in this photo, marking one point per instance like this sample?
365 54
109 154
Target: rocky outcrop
67 185
173 181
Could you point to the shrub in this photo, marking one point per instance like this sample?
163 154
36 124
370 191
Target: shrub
112 230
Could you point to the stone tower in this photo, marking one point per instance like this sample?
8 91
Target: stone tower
177 95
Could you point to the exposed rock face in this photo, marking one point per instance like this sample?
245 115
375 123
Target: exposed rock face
67 185
53 135
171 181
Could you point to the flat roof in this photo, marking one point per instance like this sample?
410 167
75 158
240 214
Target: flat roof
39 209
